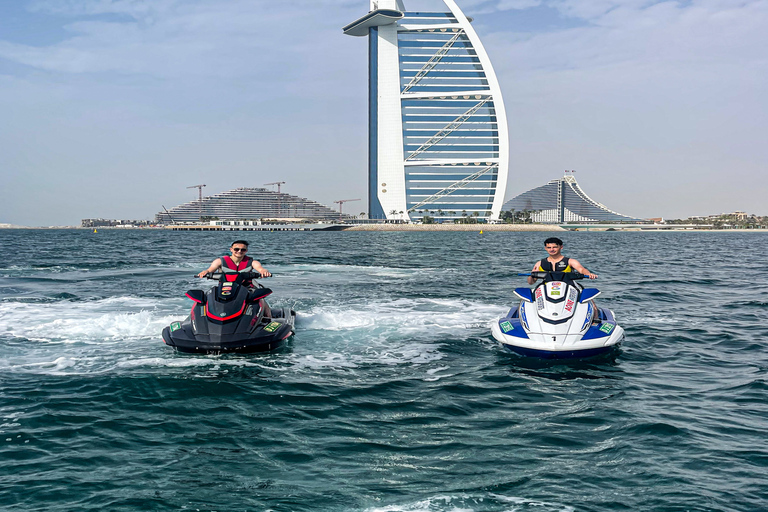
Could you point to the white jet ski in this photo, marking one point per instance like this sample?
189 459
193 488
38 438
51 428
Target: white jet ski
558 319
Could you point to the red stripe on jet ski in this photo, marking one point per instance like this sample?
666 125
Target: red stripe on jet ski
211 315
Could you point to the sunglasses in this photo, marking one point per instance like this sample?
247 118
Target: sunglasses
238 249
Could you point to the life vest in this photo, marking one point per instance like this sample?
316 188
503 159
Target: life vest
231 269
564 265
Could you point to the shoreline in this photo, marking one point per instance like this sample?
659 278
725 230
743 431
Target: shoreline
534 228
426 228
455 227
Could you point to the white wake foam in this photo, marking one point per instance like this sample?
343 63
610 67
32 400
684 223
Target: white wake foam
475 503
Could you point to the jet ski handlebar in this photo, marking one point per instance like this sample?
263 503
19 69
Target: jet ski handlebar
217 275
553 275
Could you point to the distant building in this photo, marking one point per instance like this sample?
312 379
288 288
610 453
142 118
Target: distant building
248 203
98 223
561 201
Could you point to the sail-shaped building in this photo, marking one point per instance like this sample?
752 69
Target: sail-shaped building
562 201
438 141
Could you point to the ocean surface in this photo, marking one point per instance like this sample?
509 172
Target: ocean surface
392 396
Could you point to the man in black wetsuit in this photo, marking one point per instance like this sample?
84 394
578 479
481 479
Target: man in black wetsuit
557 262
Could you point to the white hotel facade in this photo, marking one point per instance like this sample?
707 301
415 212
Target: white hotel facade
438 140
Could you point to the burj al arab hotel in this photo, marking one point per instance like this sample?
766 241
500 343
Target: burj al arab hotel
438 142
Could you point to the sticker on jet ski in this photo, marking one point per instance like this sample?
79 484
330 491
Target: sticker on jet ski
506 326
607 328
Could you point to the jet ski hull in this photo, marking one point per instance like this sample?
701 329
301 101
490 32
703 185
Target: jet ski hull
538 346
272 334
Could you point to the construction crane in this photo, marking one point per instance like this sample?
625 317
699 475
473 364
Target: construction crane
200 199
278 183
341 203
279 197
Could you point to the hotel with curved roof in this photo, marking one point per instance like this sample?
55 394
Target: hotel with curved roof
438 141
561 201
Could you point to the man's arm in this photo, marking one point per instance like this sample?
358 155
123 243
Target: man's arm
578 267
536 268
215 264
261 270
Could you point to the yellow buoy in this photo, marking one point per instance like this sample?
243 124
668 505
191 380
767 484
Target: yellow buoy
481 231
95 231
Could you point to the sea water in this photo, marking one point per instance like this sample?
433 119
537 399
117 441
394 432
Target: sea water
392 396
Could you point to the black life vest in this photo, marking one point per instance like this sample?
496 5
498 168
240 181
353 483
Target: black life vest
564 265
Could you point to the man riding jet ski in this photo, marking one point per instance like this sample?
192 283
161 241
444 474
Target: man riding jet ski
231 317
558 318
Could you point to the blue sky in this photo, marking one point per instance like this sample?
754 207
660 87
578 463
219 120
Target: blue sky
111 108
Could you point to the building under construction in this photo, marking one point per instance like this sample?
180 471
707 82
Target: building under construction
248 204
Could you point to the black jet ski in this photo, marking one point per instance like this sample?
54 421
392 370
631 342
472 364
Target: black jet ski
231 317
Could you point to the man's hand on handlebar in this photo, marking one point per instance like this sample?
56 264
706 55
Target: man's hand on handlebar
217 275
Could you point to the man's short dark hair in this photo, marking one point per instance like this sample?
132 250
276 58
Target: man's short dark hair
553 240
243 242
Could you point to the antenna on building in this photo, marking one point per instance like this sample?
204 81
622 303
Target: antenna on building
341 203
200 198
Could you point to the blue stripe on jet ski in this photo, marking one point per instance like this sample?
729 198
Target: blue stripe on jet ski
594 332
546 354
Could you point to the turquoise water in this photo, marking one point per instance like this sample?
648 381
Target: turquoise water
392 396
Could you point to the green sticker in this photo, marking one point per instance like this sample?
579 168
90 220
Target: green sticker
272 326
607 328
554 292
506 326
175 326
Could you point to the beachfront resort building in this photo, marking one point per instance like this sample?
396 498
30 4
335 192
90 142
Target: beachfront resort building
438 142
561 201
248 203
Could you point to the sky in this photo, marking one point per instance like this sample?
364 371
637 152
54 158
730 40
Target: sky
112 108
